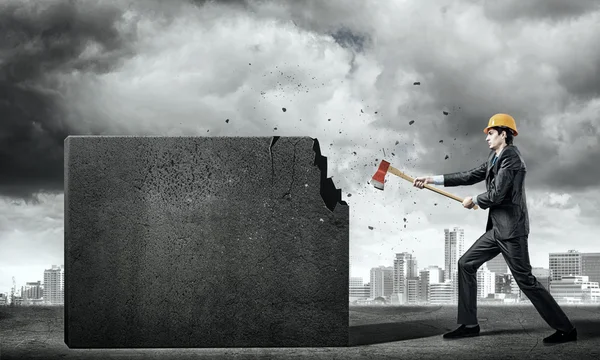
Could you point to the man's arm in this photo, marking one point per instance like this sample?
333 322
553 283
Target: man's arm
509 165
469 177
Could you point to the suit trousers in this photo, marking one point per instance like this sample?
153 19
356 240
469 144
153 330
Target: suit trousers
516 254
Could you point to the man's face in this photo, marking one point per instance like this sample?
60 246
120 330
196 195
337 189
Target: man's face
495 140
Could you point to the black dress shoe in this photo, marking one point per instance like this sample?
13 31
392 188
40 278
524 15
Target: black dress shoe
561 337
462 332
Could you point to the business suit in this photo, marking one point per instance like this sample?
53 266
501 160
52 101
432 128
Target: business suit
507 232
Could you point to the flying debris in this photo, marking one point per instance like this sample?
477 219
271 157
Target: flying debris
284 109
441 141
370 228
445 113
411 122
446 158
227 121
417 83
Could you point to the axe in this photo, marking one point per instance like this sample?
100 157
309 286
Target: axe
379 179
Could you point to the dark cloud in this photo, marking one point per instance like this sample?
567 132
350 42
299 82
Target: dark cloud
349 39
510 10
582 81
41 42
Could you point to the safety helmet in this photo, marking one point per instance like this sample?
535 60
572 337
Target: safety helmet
504 120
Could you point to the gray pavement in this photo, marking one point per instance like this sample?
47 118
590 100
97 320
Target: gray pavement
376 332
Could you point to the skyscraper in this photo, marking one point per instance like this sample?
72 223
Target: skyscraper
54 285
430 275
565 264
486 282
32 291
590 266
382 281
404 268
454 244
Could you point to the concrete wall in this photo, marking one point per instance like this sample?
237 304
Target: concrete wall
203 242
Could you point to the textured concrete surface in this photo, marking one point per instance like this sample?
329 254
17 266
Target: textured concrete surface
203 242
375 333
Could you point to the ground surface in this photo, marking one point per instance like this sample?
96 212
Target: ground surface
376 332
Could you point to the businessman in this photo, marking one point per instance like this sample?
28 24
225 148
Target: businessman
507 231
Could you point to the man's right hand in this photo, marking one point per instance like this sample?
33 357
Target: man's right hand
422 180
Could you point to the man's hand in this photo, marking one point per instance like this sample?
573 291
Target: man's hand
468 202
422 180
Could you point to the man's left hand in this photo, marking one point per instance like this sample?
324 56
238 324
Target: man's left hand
468 202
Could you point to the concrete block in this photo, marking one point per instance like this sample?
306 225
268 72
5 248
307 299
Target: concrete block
203 242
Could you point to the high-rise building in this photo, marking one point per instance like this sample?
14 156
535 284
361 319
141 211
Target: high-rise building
575 289
412 290
565 264
405 267
543 276
358 290
440 293
430 275
32 291
503 282
590 266
498 265
454 243
382 281
54 285
486 282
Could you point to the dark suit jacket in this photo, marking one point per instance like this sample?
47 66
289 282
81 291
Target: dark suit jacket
505 195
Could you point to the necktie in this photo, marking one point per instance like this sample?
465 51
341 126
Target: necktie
494 159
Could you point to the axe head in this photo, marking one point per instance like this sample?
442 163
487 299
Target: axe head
379 177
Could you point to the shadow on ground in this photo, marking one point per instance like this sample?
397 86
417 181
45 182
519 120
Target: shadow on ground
390 332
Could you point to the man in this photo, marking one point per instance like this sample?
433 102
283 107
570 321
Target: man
507 231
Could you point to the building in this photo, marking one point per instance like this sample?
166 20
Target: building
542 275
358 290
441 293
54 285
515 290
430 275
405 267
486 282
498 265
454 243
32 293
565 264
382 282
590 266
503 282
412 290
3 300
575 289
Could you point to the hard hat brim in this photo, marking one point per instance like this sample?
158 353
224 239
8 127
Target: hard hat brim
485 131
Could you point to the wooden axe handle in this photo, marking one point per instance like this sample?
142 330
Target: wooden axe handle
397 172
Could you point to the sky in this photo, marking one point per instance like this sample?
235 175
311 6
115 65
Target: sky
345 70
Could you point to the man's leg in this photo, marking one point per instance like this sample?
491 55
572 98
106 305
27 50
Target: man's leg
516 254
484 249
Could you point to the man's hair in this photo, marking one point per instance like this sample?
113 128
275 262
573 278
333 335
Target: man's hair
508 131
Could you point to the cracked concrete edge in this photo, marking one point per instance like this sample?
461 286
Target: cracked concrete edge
331 196
329 193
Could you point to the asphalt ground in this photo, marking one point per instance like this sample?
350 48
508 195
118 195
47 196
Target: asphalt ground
376 332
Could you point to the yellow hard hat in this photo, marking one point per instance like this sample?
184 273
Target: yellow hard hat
502 120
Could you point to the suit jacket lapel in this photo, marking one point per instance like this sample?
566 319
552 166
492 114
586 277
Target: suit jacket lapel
489 162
